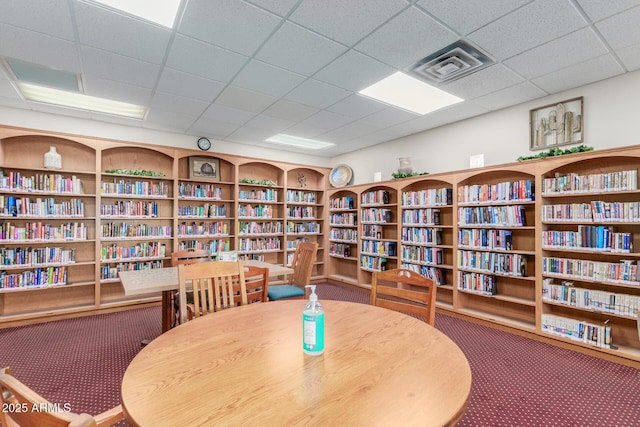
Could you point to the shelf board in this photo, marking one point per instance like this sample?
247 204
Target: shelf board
592 252
589 310
501 251
506 298
502 320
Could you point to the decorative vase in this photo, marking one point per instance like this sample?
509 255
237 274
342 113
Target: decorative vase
52 159
405 165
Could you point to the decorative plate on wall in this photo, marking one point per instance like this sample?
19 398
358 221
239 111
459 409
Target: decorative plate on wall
340 175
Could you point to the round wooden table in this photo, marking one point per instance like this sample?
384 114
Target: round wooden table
245 366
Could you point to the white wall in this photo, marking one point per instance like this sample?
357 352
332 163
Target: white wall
86 127
611 119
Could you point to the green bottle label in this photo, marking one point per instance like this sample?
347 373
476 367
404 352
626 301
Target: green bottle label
313 333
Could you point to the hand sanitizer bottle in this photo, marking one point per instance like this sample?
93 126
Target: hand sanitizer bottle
313 325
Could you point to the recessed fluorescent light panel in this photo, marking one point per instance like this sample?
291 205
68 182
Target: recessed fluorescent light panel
295 141
411 94
161 12
77 100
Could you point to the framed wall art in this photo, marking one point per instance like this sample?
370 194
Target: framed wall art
556 124
204 168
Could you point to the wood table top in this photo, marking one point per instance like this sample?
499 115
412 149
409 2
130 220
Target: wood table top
140 282
245 366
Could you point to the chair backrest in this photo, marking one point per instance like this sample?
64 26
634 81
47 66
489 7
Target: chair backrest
32 410
303 259
257 284
189 256
405 291
214 284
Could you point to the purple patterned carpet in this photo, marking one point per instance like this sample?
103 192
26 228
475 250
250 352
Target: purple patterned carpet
516 381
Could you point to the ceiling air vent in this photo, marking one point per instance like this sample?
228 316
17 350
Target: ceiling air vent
457 60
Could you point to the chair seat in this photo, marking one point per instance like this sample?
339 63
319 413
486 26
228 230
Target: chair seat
284 291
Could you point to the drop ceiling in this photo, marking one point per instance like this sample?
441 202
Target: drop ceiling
242 71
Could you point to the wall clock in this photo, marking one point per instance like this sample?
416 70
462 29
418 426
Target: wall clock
204 144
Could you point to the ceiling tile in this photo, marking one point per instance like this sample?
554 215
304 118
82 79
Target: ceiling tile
597 10
483 82
354 71
121 34
580 74
265 78
234 25
49 17
169 119
38 48
299 50
7 90
347 132
271 124
60 111
630 57
95 86
345 21
12 102
327 120
532 25
173 121
357 106
178 104
125 121
213 128
204 60
466 16
575 47
317 94
388 117
224 114
111 66
189 85
243 99
249 135
280 7
621 30
407 38
445 115
510 96
288 110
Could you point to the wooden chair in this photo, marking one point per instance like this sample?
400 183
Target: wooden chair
15 394
189 256
303 259
214 285
185 256
257 284
405 291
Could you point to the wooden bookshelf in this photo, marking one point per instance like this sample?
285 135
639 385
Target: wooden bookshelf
119 221
520 301
590 213
343 237
377 232
426 234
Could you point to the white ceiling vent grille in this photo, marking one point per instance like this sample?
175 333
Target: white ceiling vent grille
450 63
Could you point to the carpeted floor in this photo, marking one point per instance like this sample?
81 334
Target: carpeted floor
516 381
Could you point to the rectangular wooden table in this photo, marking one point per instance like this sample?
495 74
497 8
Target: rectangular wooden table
165 280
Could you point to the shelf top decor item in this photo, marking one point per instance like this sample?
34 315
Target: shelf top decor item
135 172
52 159
267 182
552 152
400 175
204 168
556 124
340 175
